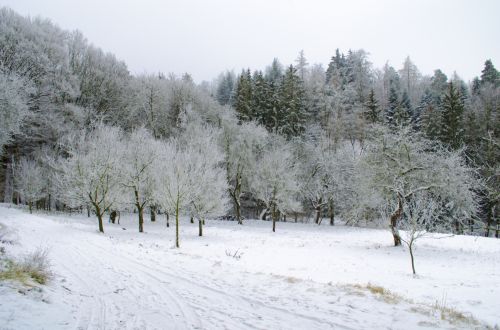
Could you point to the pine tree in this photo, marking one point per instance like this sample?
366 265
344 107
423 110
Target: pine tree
452 125
429 116
292 96
243 96
336 73
225 88
476 86
373 111
274 73
490 74
439 83
261 99
301 65
392 107
403 113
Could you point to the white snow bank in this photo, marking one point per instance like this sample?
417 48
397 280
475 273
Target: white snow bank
298 277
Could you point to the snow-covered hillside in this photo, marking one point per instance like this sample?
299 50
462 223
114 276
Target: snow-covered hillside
238 277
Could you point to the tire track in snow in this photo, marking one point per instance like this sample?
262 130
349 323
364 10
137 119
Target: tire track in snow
144 293
226 304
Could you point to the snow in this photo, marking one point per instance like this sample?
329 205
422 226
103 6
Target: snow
300 277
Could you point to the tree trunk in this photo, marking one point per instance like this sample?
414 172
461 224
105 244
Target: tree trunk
153 213
99 219
200 227
410 246
30 206
273 215
192 219
318 211
489 222
88 211
177 222
331 212
236 199
140 210
497 229
168 219
395 216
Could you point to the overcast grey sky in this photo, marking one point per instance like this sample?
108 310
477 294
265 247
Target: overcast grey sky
205 38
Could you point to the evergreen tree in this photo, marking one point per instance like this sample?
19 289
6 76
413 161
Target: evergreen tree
490 74
293 114
336 73
392 106
429 116
225 88
452 125
372 109
301 65
243 97
403 113
261 99
274 73
476 86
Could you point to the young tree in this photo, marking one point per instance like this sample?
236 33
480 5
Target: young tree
420 216
29 181
372 109
241 144
189 167
139 153
91 173
274 181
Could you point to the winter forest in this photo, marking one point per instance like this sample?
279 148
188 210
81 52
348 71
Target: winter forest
345 145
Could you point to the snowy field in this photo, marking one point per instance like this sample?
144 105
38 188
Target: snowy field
246 277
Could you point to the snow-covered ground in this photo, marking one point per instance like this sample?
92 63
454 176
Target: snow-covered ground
240 277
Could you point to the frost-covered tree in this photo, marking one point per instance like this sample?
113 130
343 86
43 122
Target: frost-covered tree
91 175
225 88
396 166
274 181
13 105
301 65
420 216
190 178
139 154
410 80
241 145
29 181
150 105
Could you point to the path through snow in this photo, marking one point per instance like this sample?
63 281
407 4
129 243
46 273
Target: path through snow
127 280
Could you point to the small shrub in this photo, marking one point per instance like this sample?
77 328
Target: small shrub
35 267
452 315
